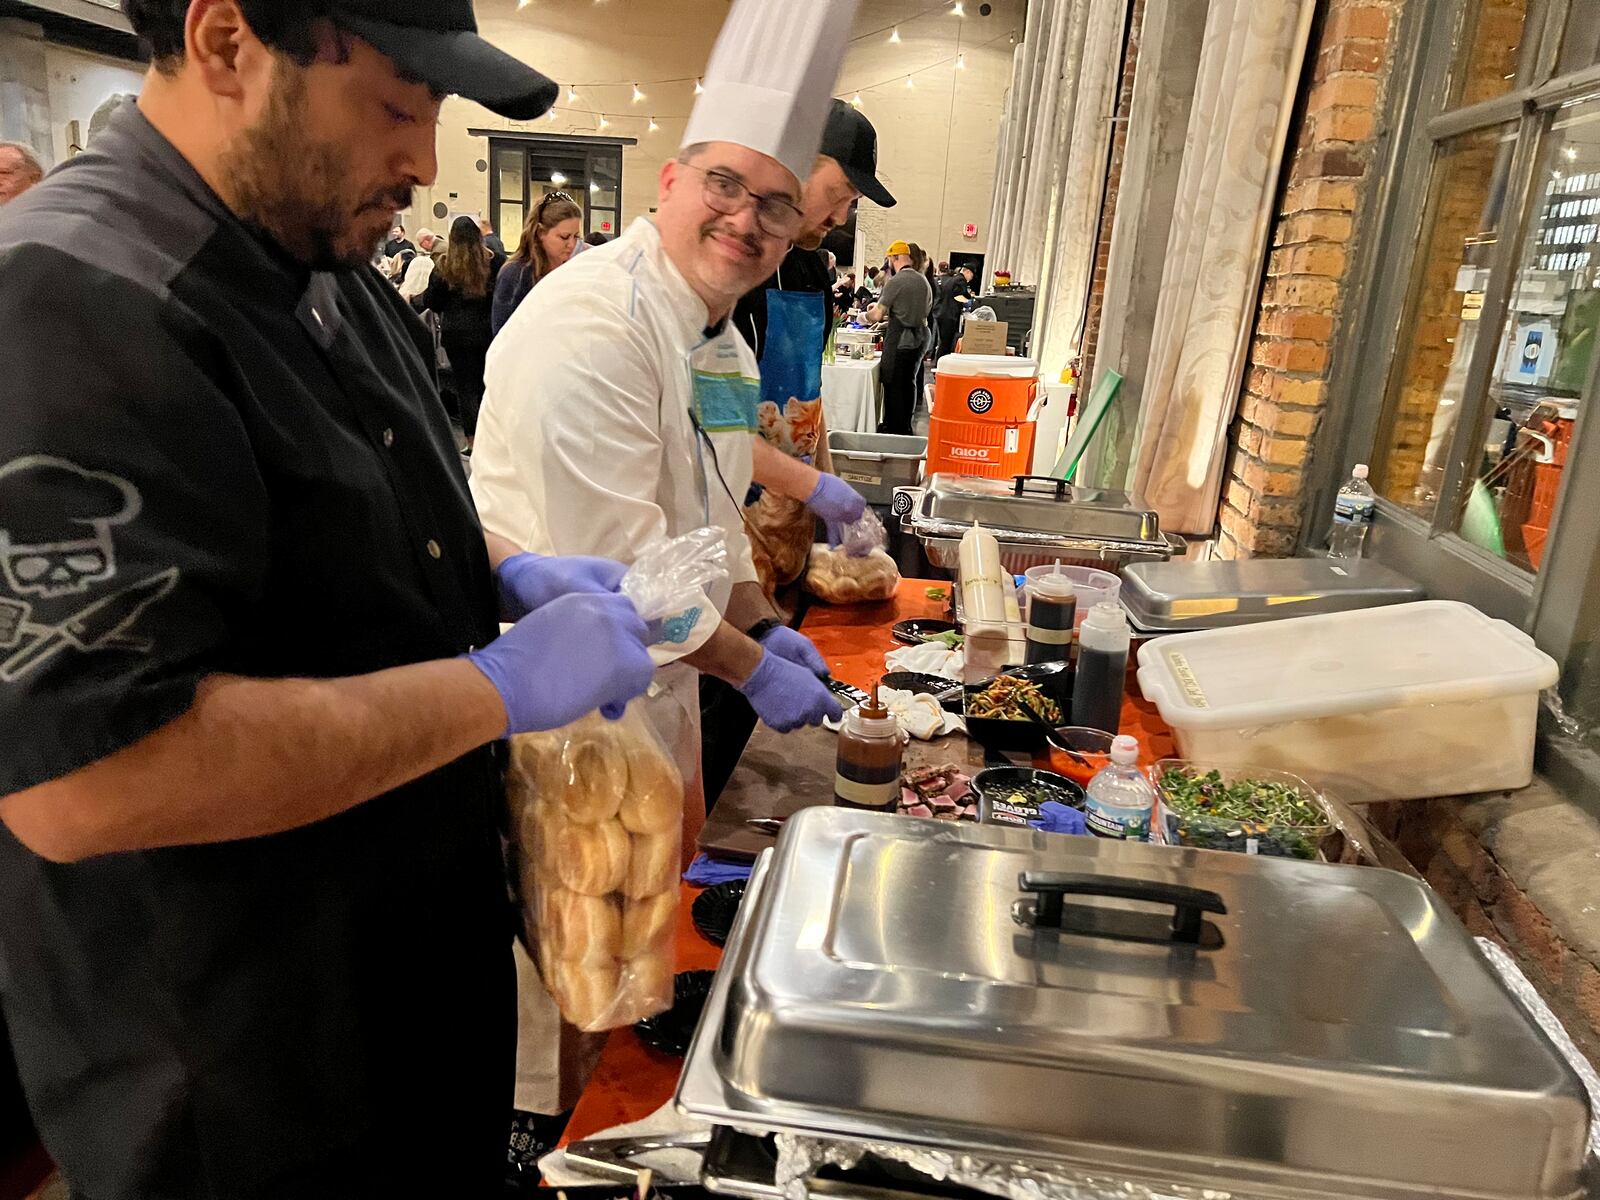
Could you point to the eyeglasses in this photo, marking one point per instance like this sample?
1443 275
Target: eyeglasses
777 215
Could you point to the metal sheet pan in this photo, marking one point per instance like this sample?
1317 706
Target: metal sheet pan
1169 597
1333 1033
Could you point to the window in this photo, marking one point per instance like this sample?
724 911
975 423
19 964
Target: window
526 166
1477 347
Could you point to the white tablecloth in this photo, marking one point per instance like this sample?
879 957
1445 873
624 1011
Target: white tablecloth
850 395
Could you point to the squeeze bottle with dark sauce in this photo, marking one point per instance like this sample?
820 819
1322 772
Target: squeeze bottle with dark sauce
1103 640
870 749
1052 611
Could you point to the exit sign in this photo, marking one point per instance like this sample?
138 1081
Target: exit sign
969 231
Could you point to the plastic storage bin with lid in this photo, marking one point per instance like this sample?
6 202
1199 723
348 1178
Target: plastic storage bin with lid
985 415
1397 703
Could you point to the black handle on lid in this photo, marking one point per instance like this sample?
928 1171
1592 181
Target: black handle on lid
1020 484
1052 886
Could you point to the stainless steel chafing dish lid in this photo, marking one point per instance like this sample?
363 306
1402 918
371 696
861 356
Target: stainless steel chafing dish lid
1212 595
1036 505
1316 1030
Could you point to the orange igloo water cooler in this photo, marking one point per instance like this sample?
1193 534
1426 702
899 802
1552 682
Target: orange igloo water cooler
985 416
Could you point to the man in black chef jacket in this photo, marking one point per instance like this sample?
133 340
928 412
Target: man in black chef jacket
254 931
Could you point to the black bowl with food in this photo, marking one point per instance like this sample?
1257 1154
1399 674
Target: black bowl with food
1003 791
995 712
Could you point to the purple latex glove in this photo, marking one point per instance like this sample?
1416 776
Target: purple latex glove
787 696
530 581
838 504
796 648
574 655
1055 817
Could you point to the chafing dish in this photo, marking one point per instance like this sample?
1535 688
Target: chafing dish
1179 1019
1037 519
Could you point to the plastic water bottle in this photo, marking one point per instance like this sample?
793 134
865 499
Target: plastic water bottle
1352 515
1120 797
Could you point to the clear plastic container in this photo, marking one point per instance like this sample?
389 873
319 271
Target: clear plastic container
1179 823
1397 703
1092 586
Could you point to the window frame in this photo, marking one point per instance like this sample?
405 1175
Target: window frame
1562 601
592 150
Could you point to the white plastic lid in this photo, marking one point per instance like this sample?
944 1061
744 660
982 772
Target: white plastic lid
1056 587
1361 471
880 727
1368 660
1107 617
1125 750
992 365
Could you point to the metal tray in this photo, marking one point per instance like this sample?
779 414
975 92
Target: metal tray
1328 1032
1173 596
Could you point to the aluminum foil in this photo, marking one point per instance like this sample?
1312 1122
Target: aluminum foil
1517 983
801 1157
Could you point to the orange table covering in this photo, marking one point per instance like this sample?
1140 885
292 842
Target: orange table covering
632 1081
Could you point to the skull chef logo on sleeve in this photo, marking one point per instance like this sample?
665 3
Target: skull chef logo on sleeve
57 523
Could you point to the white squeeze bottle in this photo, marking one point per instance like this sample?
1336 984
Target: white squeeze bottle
1352 515
1120 797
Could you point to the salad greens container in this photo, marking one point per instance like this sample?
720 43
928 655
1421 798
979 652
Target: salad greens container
1248 810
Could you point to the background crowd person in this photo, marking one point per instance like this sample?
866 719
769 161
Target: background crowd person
548 240
953 298
596 239
461 292
923 264
419 271
905 303
491 239
20 169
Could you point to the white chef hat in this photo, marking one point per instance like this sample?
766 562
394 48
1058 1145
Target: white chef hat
769 84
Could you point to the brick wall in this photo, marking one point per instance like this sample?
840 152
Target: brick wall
1108 208
1327 179
1492 903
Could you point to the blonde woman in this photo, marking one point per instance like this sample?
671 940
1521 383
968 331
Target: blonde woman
551 235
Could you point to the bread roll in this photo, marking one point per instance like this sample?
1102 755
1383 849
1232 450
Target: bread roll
591 859
837 578
645 986
586 994
581 929
652 865
596 778
646 922
653 802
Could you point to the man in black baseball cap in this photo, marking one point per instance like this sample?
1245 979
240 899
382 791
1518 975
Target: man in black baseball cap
255 938
792 463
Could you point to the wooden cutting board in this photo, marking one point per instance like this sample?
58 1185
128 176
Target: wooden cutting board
780 774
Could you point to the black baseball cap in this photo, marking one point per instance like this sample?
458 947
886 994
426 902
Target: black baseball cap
851 141
437 41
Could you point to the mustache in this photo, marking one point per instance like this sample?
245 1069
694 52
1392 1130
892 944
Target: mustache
399 197
749 240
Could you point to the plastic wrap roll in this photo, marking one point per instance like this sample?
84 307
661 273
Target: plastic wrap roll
983 595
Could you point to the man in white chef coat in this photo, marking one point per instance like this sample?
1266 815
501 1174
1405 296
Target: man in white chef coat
621 404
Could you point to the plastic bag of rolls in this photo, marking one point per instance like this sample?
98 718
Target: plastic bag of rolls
597 812
836 577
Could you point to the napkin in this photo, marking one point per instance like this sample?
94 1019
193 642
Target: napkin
930 658
674 1166
920 715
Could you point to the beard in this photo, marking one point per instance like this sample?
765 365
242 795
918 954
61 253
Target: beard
296 189
812 239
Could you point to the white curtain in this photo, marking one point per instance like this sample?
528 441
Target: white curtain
1084 129
1051 180
1238 130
